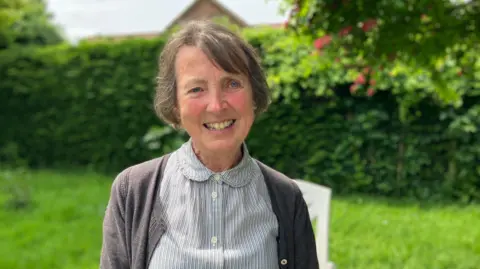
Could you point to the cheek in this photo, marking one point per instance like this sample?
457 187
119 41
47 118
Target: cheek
242 102
191 109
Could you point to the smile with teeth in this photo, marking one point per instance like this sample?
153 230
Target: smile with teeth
219 125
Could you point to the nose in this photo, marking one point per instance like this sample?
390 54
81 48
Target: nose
216 101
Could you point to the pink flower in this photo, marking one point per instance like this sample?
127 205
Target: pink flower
370 92
345 31
322 41
360 79
369 24
353 88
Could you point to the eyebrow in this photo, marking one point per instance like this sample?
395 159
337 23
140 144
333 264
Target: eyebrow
196 80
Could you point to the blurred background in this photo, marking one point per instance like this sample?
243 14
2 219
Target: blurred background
377 100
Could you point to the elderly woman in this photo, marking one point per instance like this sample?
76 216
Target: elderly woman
208 204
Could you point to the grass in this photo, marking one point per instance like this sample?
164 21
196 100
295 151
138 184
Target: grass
62 229
374 233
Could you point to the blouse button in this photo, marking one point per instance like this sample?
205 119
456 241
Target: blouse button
283 262
214 240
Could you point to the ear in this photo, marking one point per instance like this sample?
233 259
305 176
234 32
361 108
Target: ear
176 114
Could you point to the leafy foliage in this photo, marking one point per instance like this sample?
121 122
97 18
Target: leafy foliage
329 125
9 12
420 48
398 26
82 105
26 22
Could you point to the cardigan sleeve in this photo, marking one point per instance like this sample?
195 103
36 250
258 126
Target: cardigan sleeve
114 251
305 247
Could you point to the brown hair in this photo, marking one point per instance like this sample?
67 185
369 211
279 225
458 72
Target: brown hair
224 48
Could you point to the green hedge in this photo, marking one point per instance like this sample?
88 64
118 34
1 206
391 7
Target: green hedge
91 105
359 145
86 105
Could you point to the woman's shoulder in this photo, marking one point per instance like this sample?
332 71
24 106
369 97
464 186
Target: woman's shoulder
138 177
278 179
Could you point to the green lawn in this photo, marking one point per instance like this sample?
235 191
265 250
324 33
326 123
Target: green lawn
62 229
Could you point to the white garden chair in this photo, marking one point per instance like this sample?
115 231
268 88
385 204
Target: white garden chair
318 200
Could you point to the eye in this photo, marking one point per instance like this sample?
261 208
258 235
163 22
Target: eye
234 84
195 90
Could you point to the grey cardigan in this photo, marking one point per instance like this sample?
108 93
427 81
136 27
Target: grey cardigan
133 225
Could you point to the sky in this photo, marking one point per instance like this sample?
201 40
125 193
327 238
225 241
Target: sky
81 18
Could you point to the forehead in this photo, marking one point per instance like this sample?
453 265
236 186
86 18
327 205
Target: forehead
192 59
225 55
192 65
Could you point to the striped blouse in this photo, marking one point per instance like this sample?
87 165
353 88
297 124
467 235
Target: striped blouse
215 220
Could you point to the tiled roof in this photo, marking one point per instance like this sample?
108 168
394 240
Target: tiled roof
82 18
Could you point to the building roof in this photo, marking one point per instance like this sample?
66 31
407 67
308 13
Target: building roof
85 18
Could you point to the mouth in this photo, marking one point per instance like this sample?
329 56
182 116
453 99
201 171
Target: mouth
218 126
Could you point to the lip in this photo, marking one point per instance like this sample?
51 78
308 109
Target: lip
223 130
219 121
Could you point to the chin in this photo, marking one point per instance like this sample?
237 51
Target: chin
223 145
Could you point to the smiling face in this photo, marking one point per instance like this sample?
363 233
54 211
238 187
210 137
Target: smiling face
214 107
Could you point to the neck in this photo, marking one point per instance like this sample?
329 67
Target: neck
219 162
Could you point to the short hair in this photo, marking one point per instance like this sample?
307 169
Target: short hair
225 48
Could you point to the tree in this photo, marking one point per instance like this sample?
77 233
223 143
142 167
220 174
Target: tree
430 44
9 12
26 22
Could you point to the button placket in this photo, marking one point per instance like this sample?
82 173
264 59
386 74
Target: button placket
216 204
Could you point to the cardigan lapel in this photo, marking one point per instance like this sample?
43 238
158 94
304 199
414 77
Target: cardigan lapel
157 223
278 202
